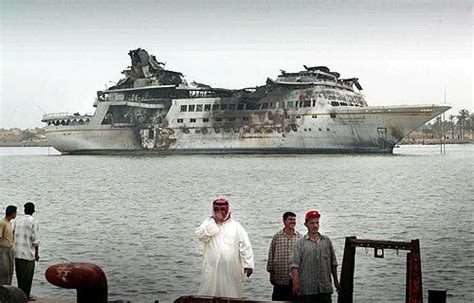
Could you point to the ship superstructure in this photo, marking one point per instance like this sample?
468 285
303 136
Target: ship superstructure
154 110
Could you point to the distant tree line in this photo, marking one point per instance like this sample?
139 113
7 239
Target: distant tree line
455 126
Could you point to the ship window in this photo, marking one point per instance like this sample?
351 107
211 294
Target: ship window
240 106
231 106
290 104
197 131
245 118
205 119
297 103
343 103
280 104
216 130
199 108
307 103
192 120
183 108
327 129
315 116
319 129
223 106
215 106
287 117
218 119
231 119
191 108
272 105
298 117
264 105
207 107
180 121
333 115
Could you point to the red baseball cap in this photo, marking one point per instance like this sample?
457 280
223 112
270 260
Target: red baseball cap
312 214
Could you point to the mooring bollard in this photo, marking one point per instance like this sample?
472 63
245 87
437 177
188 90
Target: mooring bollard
12 294
88 279
437 296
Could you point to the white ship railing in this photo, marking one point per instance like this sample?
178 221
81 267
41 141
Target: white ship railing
65 115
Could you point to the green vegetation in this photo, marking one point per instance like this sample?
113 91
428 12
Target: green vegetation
455 126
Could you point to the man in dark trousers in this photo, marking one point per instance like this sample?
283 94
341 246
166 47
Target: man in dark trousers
26 248
280 257
314 261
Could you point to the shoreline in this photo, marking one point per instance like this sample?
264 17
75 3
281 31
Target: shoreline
25 144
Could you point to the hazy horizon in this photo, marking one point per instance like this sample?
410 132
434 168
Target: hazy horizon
55 55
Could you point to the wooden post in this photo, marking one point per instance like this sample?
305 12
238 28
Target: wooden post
347 272
414 290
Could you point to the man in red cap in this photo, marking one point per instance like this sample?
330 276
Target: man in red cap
314 261
228 253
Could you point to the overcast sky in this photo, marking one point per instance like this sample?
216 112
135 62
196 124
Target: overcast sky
55 55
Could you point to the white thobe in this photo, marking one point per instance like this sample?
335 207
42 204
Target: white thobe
227 251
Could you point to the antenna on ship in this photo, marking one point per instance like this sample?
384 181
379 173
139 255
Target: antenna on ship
442 143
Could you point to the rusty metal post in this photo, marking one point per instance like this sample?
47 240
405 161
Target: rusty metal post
347 272
436 296
414 290
88 279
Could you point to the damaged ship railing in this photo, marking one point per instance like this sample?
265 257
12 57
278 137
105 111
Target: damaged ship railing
414 292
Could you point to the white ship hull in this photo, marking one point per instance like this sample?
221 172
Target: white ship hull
345 130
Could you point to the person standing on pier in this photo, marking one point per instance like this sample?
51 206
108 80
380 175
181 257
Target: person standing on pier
26 248
280 257
314 261
6 246
228 253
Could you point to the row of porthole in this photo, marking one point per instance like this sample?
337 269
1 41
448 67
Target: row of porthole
67 122
247 131
319 129
267 130
232 119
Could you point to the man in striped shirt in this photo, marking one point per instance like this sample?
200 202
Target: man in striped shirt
280 257
314 261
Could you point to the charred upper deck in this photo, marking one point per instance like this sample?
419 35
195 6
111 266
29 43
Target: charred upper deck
146 80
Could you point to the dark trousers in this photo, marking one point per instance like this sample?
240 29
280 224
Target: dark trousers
24 270
321 298
283 292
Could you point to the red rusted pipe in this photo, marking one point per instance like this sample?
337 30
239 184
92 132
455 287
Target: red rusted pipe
88 279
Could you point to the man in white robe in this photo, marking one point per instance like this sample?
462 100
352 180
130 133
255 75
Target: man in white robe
228 254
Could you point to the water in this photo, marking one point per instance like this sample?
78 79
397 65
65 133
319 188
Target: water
135 216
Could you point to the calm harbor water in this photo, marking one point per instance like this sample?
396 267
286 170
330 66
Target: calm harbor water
135 216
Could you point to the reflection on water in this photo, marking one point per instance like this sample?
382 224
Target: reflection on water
135 216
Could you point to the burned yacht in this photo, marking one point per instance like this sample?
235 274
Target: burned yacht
154 110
